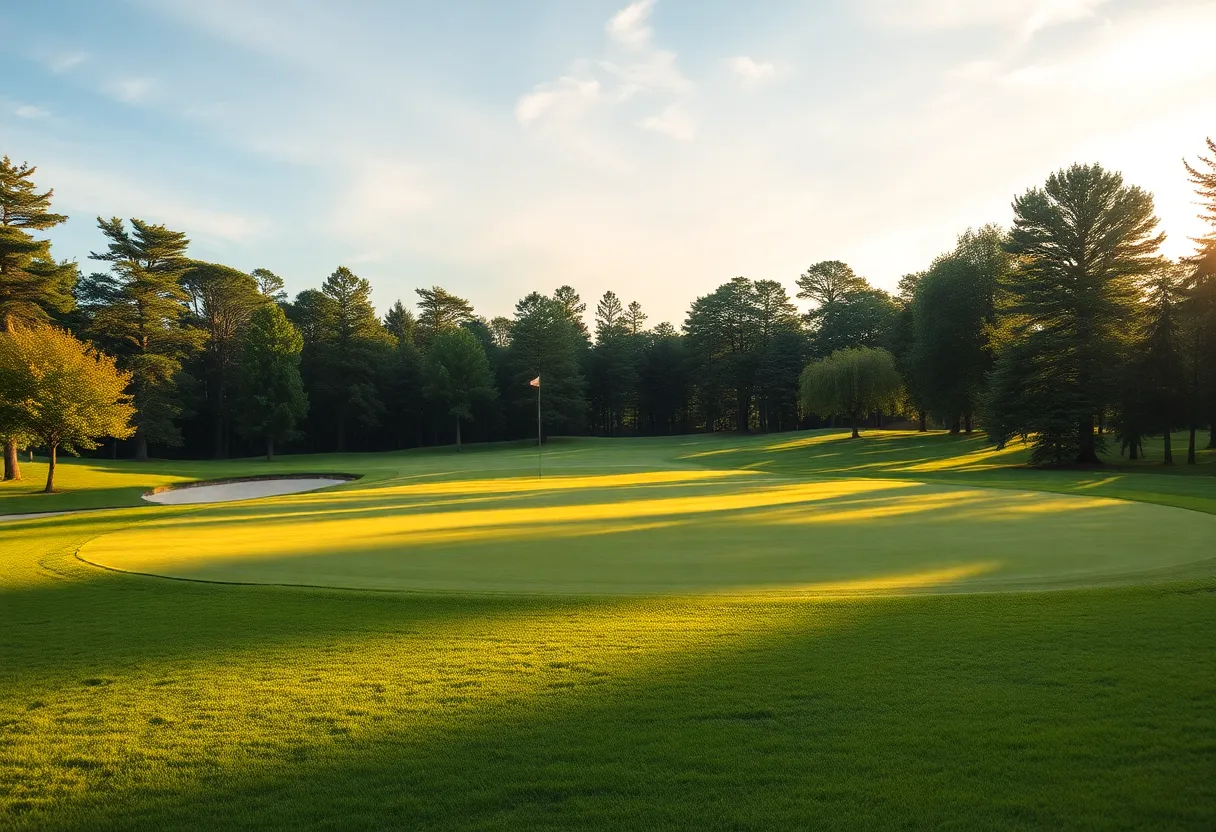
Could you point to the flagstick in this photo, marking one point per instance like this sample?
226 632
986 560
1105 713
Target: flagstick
540 438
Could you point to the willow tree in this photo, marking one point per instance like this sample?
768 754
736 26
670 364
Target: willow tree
1081 245
64 393
32 284
851 382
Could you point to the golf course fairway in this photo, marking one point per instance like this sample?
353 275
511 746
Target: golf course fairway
706 632
666 531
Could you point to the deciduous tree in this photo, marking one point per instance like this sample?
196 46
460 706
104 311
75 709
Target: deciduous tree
851 382
62 391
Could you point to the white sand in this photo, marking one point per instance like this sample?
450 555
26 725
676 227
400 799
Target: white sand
4 518
230 491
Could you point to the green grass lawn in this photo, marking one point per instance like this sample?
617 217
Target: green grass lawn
701 632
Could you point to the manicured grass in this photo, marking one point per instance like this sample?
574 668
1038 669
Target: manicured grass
138 702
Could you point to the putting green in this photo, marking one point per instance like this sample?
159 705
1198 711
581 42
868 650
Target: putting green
668 531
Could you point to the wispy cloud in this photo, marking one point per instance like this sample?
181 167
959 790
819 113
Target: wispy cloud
30 111
629 28
65 61
632 68
565 98
750 72
673 122
131 90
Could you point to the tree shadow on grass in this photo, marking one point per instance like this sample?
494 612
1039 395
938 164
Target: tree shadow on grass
1010 712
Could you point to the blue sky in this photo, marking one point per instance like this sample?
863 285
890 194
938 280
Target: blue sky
657 148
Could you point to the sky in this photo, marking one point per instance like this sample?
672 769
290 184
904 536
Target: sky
656 148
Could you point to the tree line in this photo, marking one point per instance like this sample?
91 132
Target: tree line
1067 330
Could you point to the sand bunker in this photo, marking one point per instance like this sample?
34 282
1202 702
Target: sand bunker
34 515
227 492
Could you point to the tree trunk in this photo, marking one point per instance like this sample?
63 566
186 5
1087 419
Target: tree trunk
341 433
853 419
269 448
457 434
50 469
1133 448
924 422
955 427
1169 452
1190 447
141 447
1088 452
744 405
967 424
12 468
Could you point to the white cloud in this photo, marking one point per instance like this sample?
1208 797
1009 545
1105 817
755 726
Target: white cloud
565 98
629 28
632 67
131 90
30 111
750 72
64 62
673 122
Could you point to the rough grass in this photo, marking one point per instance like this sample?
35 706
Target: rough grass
137 702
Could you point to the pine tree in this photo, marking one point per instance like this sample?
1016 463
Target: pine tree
401 323
438 310
354 352
270 285
546 343
953 309
222 300
1081 245
138 310
635 318
457 375
1201 300
32 285
271 401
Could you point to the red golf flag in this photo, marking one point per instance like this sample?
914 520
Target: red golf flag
535 382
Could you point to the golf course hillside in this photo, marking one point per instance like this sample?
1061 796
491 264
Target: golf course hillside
713 632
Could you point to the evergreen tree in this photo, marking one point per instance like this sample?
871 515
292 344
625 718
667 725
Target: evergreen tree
61 391
222 300
138 310
457 375
438 310
401 323
953 309
32 285
353 355
1201 301
270 391
725 340
545 342
270 285
572 307
1158 358
635 318
1081 244
609 317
